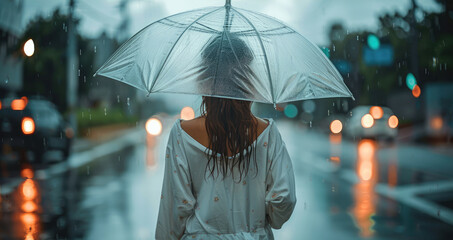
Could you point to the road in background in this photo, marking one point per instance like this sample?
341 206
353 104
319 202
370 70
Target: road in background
345 190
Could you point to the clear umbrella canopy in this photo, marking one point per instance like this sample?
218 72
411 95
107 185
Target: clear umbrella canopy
225 52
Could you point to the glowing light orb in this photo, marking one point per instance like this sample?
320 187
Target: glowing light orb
416 91
336 126
153 126
367 121
187 113
373 42
29 48
376 112
393 121
411 81
291 111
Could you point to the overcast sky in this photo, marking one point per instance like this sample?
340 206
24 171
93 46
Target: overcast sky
312 18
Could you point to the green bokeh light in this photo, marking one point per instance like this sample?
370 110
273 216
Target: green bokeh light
373 42
326 51
291 111
411 81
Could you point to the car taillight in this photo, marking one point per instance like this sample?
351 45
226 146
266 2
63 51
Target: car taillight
393 121
18 104
0 104
28 125
376 112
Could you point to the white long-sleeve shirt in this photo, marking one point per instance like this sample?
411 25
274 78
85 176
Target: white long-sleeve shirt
195 205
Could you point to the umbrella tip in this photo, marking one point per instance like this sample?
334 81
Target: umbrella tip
228 3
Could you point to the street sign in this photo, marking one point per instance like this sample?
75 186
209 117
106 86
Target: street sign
343 66
383 56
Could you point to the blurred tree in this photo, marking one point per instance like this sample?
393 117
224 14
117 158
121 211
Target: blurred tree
431 56
45 72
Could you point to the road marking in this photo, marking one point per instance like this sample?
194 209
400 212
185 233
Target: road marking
409 195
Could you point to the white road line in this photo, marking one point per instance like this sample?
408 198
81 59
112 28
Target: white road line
409 195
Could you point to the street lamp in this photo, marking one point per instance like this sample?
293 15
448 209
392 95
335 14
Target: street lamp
29 48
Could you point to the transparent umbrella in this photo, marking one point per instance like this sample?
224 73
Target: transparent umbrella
225 52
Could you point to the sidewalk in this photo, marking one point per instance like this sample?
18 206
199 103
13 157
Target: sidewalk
99 135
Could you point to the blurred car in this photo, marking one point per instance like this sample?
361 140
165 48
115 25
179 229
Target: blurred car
372 122
34 125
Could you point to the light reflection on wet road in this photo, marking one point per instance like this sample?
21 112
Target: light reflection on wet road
117 196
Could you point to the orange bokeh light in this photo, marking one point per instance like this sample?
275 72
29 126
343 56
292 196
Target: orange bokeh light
18 104
25 100
335 159
29 219
393 121
367 121
364 195
376 112
187 113
29 206
29 237
436 123
28 125
365 170
336 126
29 189
416 91
27 173
366 151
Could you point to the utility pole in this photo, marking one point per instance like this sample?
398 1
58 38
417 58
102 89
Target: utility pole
72 67
413 41
123 28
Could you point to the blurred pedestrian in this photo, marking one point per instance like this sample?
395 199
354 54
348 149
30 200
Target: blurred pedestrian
228 174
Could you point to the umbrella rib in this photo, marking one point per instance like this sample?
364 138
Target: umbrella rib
169 22
212 29
323 55
177 40
264 52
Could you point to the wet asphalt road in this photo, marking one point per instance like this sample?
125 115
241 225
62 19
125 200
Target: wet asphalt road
346 190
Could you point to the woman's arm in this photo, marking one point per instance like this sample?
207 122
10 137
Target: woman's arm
280 184
177 201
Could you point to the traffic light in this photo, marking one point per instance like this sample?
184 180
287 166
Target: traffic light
411 81
373 42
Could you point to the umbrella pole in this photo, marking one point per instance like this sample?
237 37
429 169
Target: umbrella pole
226 25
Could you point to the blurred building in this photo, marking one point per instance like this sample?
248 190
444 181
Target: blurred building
10 59
104 91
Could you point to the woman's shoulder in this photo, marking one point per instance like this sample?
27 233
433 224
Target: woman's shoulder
193 127
196 126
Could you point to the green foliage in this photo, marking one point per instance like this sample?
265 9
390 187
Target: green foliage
44 73
423 48
92 117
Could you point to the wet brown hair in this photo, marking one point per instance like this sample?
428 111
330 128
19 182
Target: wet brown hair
230 124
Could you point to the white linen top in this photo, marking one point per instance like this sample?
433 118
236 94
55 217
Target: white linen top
195 205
